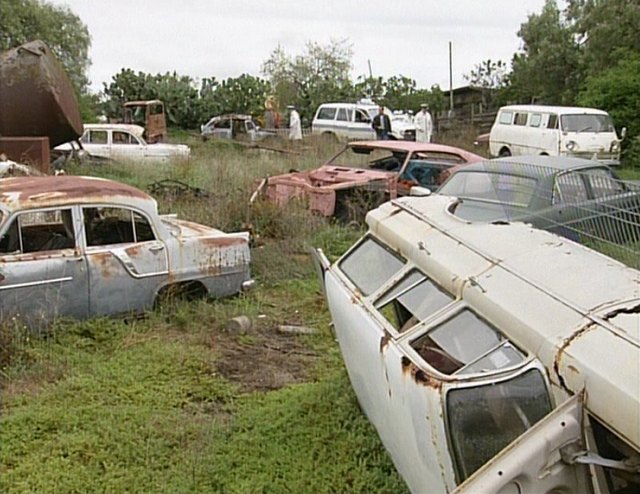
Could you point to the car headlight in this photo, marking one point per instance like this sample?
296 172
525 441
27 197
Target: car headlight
615 146
571 146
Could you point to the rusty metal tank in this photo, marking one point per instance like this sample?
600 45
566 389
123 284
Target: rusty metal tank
36 95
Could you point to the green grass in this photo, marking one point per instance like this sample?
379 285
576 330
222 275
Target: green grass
175 402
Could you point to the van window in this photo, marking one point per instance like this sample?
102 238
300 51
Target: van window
552 123
370 265
535 119
362 116
326 113
343 115
521 119
465 344
484 419
506 117
412 300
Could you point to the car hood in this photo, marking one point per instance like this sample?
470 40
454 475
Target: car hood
333 177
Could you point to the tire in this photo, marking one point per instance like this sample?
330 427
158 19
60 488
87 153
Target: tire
504 152
329 138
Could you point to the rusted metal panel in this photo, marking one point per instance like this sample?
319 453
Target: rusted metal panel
32 151
30 192
36 96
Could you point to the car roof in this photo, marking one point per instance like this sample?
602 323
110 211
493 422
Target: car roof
143 102
134 129
413 147
554 109
551 163
19 193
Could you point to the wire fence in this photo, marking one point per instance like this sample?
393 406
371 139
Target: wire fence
585 203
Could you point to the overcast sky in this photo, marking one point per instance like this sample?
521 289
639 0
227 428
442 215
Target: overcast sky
226 38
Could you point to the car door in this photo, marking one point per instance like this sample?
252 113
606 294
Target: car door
126 146
43 274
96 143
127 262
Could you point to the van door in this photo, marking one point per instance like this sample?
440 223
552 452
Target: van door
362 125
543 459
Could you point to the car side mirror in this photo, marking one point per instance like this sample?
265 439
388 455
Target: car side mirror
417 191
623 133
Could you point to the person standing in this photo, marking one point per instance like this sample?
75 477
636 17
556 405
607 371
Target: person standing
295 126
382 124
424 124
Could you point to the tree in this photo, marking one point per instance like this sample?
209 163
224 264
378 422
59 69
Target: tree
548 68
178 93
244 94
491 77
602 27
27 20
617 91
320 74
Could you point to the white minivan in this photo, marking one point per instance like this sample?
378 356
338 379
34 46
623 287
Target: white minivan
555 131
352 121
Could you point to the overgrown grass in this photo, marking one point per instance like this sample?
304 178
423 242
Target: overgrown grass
109 405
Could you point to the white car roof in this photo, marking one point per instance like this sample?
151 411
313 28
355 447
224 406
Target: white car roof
136 130
567 110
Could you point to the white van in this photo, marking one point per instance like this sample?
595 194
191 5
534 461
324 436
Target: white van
555 131
352 121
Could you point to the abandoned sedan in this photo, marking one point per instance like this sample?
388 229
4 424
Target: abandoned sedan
573 197
81 247
124 142
366 173
234 126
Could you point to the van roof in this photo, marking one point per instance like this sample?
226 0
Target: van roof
554 109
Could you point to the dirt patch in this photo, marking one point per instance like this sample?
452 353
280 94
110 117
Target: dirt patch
262 359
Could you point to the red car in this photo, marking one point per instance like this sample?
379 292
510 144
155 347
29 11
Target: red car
366 173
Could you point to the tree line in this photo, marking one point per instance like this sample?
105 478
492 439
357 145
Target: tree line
586 54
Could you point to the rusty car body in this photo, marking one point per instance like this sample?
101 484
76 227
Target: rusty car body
81 247
150 115
235 126
490 357
123 142
378 169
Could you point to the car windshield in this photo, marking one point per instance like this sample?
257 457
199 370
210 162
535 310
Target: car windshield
488 186
586 123
366 157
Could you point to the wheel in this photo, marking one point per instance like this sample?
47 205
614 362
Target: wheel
329 138
504 152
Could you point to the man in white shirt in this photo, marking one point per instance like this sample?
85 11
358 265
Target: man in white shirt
424 124
295 126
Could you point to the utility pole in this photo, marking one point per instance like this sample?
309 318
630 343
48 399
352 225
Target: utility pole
450 81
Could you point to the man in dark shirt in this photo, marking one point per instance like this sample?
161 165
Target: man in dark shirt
382 124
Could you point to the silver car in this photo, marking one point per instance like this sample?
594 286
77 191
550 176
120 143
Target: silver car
82 247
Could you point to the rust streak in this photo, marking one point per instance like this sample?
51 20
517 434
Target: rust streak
565 344
419 376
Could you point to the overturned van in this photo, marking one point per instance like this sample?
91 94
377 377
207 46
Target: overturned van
555 131
490 357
